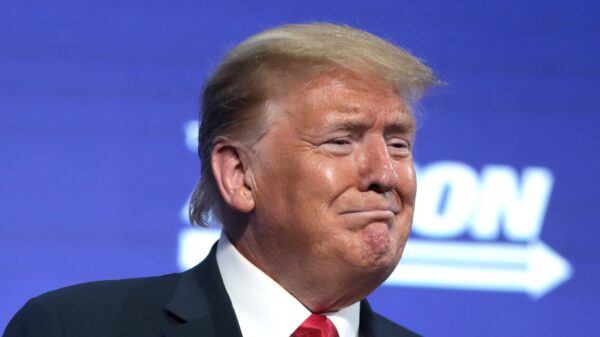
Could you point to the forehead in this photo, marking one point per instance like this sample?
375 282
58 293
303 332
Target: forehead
344 96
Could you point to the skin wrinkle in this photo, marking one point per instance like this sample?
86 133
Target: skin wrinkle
302 184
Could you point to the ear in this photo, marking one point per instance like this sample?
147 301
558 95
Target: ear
230 169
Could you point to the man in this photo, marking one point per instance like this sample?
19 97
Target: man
305 144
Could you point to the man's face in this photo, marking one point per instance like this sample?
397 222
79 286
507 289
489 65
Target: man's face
334 181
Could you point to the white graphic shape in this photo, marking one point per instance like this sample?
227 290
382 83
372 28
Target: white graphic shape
453 200
194 245
190 129
446 197
520 204
532 268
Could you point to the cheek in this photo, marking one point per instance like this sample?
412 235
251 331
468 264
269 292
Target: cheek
300 183
407 187
331 177
328 178
329 174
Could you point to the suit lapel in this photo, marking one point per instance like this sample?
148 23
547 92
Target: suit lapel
366 327
201 303
216 324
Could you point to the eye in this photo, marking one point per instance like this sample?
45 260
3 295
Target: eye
339 141
338 146
399 147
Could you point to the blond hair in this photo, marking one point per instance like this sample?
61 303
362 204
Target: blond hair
234 95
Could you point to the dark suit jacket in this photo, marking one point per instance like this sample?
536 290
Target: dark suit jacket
189 304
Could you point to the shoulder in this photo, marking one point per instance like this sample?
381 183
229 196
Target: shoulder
113 292
373 324
110 296
390 328
91 307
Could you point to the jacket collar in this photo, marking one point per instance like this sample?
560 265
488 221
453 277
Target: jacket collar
366 326
201 303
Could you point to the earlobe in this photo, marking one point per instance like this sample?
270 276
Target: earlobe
230 169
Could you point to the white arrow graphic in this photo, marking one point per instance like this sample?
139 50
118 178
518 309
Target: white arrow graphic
532 268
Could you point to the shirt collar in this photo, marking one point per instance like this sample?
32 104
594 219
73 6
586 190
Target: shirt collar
262 306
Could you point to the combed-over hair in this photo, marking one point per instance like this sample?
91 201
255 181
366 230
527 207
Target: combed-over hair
234 96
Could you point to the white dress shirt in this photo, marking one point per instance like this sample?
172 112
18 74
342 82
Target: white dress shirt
263 307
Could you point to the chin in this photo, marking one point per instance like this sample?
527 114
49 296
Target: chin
380 249
377 243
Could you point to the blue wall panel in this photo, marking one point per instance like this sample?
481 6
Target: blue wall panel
95 97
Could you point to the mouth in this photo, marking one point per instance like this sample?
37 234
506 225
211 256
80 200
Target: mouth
365 217
372 213
376 210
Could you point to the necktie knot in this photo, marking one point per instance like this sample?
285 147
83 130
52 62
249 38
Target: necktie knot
316 326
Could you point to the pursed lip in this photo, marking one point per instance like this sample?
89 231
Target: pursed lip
375 210
375 213
358 218
380 212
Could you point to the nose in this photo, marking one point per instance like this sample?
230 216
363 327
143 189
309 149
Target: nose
377 168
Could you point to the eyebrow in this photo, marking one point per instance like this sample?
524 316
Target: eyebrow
405 123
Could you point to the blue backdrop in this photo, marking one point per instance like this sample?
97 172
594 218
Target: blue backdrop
98 101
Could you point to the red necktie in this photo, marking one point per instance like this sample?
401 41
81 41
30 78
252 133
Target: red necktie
316 326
